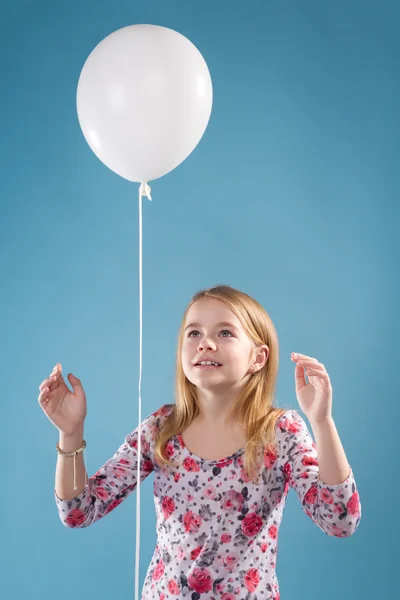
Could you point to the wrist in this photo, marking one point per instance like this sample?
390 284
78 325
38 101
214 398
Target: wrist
323 423
71 442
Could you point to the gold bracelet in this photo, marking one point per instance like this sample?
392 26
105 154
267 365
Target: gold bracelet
74 453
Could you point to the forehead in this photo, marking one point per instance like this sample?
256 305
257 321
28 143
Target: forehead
209 311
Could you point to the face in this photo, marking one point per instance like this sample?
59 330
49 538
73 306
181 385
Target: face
217 334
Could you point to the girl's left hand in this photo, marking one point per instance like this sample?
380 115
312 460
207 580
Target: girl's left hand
315 397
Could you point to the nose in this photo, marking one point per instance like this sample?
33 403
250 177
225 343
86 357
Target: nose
205 343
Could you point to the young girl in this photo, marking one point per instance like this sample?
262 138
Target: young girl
223 457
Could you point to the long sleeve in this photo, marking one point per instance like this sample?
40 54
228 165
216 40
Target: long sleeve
115 480
336 509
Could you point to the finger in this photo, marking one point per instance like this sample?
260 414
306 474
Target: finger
57 369
46 382
58 380
305 362
299 374
316 372
314 369
311 366
44 395
50 381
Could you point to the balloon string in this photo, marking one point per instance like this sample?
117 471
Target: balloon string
144 190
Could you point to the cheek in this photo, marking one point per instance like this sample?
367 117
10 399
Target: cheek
187 353
189 344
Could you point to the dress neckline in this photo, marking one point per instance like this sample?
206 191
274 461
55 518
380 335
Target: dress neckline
206 460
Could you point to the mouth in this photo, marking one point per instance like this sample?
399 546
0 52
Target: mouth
217 366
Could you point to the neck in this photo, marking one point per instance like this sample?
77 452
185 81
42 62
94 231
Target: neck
216 409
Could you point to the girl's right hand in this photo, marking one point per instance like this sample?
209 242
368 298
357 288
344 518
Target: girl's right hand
65 409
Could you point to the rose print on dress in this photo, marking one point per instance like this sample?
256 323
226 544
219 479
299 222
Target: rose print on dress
191 465
251 579
75 518
191 522
200 581
173 587
232 501
269 459
251 524
217 531
158 571
168 507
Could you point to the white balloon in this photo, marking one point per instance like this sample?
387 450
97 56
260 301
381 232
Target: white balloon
144 100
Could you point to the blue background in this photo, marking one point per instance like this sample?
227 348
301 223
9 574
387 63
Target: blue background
291 196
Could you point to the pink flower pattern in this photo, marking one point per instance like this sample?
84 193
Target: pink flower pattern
217 531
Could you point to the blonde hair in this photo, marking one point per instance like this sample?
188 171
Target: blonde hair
254 407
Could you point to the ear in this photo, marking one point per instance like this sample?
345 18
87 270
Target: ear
261 356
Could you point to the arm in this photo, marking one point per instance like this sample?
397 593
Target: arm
64 485
333 466
334 507
113 482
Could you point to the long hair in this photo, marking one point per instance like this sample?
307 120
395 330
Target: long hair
254 408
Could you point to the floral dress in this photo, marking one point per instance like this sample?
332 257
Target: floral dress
217 532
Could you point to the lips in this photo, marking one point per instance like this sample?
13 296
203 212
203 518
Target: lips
215 361
206 359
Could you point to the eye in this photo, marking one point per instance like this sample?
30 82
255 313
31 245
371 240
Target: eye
226 331
222 331
190 333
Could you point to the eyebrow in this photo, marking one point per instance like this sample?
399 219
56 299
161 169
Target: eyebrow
218 325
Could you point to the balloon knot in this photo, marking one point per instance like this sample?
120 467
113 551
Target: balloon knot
145 190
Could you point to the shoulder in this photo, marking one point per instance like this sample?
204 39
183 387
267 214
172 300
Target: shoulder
164 410
290 422
159 416
152 423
